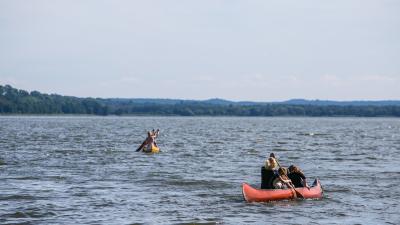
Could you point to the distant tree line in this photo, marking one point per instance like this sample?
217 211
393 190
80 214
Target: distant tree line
15 101
22 102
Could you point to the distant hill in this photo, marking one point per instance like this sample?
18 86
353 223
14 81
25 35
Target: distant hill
218 101
342 103
16 101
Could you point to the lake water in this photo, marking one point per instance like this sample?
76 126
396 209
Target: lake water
84 170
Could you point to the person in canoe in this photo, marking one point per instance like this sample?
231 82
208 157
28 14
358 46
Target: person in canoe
268 173
297 177
155 135
150 140
282 181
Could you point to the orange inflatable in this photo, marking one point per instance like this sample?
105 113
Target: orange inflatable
251 194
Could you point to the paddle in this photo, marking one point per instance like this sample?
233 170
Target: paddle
141 146
295 192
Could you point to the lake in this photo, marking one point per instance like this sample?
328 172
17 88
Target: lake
84 170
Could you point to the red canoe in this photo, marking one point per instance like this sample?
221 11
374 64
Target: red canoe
251 194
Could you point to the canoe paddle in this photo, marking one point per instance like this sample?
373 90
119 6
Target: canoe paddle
141 146
295 192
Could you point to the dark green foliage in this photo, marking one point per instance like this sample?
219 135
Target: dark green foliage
22 102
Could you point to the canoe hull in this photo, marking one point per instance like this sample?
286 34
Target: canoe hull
251 194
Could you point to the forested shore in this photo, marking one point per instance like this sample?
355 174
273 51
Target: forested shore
16 101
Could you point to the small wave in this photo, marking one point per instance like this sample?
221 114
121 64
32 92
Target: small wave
24 178
199 223
346 159
312 134
339 190
186 155
216 142
103 204
38 213
328 198
203 195
390 173
293 157
371 157
31 213
178 145
212 221
236 198
16 197
199 183
315 144
55 177
17 214
333 144
252 151
280 150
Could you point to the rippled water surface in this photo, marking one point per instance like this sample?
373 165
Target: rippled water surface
84 170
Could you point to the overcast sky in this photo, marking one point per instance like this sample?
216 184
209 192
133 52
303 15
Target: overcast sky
237 50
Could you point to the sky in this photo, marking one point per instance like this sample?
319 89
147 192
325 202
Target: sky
258 50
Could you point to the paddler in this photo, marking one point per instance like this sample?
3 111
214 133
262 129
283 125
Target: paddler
268 173
150 140
297 177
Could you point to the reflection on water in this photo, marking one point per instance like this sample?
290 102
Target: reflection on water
85 169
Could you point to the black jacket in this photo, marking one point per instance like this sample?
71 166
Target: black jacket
267 177
297 179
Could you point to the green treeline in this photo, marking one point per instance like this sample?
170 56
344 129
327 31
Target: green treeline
15 101
22 102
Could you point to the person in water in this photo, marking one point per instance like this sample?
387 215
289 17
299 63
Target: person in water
297 177
268 173
150 140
